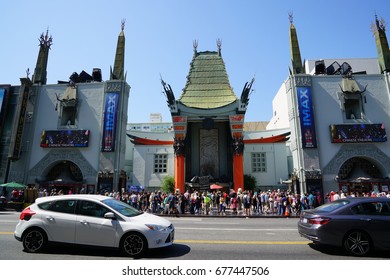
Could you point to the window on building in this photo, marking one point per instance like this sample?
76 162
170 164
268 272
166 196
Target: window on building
160 163
259 162
353 107
67 110
68 115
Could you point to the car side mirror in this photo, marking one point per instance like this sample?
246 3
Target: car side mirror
110 215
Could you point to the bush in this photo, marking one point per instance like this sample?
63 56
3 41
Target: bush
168 184
249 182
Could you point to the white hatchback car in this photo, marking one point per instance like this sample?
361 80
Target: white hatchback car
93 220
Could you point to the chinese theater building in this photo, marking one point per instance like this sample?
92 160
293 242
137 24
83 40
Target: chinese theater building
68 136
208 137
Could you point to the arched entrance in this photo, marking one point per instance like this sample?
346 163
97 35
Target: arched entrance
63 177
338 167
360 175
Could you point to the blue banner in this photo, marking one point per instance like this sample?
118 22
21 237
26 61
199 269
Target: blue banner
110 118
306 116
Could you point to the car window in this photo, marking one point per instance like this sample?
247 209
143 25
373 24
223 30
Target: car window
64 206
385 209
331 206
372 208
92 209
123 208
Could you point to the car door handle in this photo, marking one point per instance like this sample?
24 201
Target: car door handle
50 218
365 219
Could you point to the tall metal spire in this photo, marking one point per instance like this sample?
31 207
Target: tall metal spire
40 73
119 64
296 60
382 45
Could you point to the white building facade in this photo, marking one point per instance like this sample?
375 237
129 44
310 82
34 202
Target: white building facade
338 112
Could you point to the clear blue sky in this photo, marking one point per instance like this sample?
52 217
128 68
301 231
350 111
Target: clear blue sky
160 34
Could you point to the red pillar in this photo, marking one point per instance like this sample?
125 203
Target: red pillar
179 173
238 171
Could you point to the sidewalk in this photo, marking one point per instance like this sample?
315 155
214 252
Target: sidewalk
228 214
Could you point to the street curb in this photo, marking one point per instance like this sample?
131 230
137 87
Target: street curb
225 216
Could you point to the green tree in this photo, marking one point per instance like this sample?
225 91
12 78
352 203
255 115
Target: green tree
168 184
249 182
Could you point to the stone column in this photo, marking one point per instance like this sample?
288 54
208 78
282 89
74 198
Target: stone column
238 163
179 149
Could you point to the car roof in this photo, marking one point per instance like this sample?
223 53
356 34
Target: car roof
96 197
358 199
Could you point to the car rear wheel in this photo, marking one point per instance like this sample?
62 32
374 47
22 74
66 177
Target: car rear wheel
357 243
34 240
134 245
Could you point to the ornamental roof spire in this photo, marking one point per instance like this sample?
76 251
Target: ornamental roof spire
119 64
382 45
40 72
296 61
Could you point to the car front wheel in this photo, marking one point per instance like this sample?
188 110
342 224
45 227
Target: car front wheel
357 243
34 240
134 245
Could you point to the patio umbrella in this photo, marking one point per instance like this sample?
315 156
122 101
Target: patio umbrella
13 185
215 187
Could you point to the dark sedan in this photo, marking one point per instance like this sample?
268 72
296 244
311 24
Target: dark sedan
359 225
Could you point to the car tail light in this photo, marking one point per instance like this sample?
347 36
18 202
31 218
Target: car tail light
26 214
319 221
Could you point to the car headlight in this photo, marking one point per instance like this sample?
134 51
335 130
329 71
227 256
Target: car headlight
156 227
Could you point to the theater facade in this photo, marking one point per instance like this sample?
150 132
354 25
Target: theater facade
208 144
338 112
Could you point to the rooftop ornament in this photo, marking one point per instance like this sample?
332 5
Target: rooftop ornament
45 40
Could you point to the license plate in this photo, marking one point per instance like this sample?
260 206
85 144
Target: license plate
304 220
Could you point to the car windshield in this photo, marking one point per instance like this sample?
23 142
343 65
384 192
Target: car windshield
331 206
122 207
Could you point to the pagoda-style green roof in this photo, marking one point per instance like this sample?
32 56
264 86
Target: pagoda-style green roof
207 84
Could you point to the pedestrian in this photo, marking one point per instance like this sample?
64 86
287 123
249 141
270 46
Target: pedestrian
247 203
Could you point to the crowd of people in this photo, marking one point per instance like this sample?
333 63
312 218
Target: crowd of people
246 203
219 202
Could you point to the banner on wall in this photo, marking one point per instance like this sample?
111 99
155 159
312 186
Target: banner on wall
64 138
236 123
18 125
180 126
306 116
4 90
358 133
109 122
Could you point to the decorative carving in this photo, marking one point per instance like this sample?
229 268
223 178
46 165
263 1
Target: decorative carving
56 155
208 152
366 151
45 40
246 91
179 147
168 93
313 174
302 81
113 87
238 145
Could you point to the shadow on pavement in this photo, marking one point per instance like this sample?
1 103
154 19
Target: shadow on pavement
176 250
336 251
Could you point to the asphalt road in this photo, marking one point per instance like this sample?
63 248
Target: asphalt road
197 238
